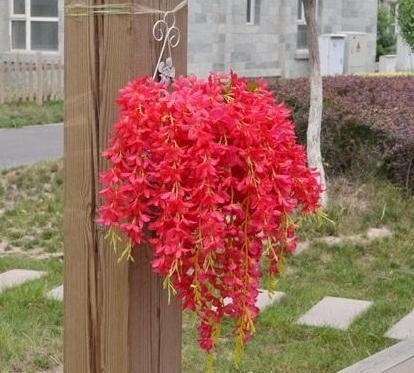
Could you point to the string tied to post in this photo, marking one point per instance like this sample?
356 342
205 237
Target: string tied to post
79 9
164 30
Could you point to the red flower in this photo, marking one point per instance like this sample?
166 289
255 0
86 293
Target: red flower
206 174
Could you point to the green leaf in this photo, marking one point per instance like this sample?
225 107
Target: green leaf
252 86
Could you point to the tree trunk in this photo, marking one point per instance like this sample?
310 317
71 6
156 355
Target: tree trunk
316 98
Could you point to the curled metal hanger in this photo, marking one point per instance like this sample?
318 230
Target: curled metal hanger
166 30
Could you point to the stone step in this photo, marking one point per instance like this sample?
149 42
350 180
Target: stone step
16 277
403 329
395 359
265 299
338 313
301 247
56 293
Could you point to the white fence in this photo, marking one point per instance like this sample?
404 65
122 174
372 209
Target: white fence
30 78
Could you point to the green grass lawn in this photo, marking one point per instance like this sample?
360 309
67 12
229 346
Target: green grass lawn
30 325
28 113
381 271
31 208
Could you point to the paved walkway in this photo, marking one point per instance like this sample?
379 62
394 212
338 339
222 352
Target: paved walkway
28 145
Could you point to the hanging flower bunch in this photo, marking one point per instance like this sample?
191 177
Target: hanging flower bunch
208 174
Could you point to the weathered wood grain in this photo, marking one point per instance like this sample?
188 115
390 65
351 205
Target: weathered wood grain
80 247
116 315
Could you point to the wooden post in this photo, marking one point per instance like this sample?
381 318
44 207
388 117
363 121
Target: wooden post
116 315
39 77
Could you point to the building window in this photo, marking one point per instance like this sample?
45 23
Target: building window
302 32
34 25
251 12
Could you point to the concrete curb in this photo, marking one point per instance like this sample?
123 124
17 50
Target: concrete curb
395 359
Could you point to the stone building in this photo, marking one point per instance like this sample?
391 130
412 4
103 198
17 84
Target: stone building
268 37
29 26
253 37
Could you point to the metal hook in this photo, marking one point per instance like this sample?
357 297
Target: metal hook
170 34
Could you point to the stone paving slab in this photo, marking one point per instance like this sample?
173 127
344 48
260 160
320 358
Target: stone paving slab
395 359
17 277
378 233
370 235
301 247
403 329
334 312
264 299
331 241
56 293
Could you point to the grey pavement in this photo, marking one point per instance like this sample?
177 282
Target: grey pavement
28 145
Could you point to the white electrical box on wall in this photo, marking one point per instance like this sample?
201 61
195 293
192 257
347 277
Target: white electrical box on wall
332 50
405 56
387 63
356 52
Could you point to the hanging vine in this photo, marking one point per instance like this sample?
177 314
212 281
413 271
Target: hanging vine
208 174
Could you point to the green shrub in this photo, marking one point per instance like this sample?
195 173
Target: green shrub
406 20
367 125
